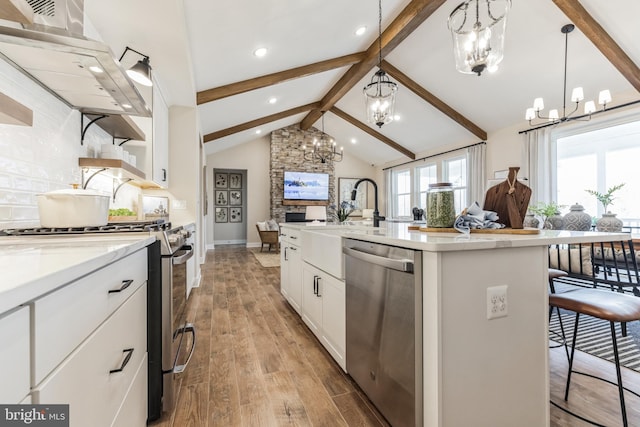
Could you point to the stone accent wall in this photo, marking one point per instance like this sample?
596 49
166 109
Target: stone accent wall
287 154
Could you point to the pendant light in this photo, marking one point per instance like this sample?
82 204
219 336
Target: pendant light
324 150
577 95
380 94
478 28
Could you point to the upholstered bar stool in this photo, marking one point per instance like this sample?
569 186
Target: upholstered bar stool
555 274
607 305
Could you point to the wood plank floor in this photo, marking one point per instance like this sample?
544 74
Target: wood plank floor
257 364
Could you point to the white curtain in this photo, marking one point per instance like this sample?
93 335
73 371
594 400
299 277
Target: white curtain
476 174
539 164
389 192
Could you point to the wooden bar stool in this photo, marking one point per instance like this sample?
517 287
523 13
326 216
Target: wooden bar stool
606 305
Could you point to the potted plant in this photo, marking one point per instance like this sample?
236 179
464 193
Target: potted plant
608 222
550 213
342 212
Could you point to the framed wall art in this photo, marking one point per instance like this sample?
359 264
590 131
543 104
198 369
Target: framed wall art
222 214
221 180
235 180
235 197
235 214
222 198
345 186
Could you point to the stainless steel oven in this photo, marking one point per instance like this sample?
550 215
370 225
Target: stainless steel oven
178 334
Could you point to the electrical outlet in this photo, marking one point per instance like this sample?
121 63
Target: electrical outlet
497 305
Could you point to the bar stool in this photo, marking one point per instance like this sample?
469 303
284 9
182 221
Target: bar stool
606 305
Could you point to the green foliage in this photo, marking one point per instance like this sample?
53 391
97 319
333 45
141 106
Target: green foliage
606 198
342 212
545 210
121 212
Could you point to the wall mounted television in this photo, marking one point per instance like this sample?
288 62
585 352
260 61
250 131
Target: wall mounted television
306 188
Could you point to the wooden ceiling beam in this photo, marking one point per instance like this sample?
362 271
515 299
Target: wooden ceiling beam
601 39
416 12
220 92
259 122
433 100
357 123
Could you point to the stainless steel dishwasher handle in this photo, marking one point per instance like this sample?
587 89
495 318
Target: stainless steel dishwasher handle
405 265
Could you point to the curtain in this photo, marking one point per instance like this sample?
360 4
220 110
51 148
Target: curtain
388 177
476 179
539 165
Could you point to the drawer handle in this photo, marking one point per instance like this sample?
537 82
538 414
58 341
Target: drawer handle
294 237
125 285
125 362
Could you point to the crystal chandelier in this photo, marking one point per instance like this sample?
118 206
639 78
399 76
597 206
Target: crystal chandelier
577 95
478 28
323 150
380 94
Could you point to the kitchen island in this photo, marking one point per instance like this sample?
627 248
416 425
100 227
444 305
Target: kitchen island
476 371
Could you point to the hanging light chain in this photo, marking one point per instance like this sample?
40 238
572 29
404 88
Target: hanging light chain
379 33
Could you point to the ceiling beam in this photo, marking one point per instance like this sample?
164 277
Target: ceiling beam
220 92
357 123
416 12
601 39
433 100
259 122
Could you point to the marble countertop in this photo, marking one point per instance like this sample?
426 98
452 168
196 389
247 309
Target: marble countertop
398 234
34 266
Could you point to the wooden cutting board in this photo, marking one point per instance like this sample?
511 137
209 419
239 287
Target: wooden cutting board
483 230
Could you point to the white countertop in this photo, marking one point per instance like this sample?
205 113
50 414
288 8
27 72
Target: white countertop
33 266
398 234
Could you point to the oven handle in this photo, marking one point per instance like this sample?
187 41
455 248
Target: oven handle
405 265
189 327
183 257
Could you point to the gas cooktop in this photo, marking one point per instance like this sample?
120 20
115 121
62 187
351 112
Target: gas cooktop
114 227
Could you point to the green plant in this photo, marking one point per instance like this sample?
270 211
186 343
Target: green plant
545 210
342 212
606 198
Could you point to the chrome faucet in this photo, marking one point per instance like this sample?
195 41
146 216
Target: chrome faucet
376 215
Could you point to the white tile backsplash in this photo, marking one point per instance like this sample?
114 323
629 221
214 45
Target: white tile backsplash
44 157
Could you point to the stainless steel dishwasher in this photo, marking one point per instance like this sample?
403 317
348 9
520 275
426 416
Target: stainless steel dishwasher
384 327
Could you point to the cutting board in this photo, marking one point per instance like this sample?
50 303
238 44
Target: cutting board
483 230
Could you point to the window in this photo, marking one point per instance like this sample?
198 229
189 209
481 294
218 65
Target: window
402 192
409 186
598 160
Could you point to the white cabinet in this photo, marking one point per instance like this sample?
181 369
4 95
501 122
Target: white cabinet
95 377
89 341
160 152
291 267
14 355
324 310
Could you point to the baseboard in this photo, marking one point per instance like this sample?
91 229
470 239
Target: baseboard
210 247
230 242
253 245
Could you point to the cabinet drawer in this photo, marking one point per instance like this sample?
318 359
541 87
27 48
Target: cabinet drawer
133 412
14 356
67 316
290 235
84 380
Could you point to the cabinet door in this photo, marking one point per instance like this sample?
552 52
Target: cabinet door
160 138
334 323
285 264
312 291
295 277
14 356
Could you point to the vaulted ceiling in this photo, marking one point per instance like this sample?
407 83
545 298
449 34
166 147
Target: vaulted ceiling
316 63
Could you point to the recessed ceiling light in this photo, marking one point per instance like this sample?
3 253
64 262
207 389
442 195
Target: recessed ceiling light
360 31
96 69
396 117
273 100
353 140
126 105
260 52
258 131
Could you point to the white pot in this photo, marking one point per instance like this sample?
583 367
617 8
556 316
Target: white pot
73 208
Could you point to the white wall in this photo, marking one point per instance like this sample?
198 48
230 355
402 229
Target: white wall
44 157
254 157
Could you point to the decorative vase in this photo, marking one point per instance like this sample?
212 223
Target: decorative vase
577 219
530 221
609 223
554 222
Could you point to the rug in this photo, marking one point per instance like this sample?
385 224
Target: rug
266 259
594 337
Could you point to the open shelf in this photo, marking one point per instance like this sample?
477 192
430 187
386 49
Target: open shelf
118 169
118 126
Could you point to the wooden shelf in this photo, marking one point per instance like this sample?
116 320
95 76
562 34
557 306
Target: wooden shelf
17 11
118 126
14 113
118 169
